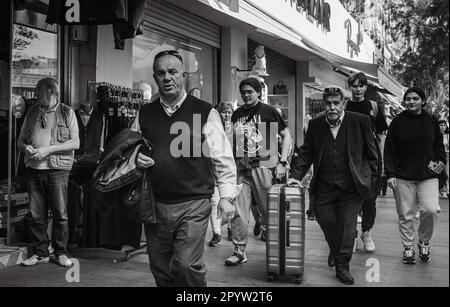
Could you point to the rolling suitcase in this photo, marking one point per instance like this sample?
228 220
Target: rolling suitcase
285 242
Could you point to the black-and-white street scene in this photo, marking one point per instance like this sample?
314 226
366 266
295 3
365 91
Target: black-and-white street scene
224 144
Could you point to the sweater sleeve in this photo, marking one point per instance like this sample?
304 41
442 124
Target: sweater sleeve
390 151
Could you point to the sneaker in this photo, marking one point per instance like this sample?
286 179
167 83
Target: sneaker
424 251
238 257
35 259
64 261
310 215
229 235
417 217
409 256
366 237
257 229
215 241
356 246
359 219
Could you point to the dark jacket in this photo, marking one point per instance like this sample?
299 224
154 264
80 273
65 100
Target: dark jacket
117 178
361 150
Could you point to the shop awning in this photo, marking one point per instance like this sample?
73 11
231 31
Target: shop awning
378 76
389 82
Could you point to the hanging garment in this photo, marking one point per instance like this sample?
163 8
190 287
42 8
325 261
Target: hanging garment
98 12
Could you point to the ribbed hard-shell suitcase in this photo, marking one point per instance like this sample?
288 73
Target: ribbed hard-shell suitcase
285 242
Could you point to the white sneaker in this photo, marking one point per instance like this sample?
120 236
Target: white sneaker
64 261
366 237
356 246
359 219
35 259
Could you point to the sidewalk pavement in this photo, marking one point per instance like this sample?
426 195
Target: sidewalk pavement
101 267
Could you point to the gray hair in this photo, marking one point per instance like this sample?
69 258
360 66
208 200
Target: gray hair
49 83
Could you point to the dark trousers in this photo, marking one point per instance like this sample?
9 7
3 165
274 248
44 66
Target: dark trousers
81 207
48 190
176 243
384 185
369 207
336 211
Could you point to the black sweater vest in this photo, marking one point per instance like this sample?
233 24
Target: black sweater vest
182 170
334 167
90 136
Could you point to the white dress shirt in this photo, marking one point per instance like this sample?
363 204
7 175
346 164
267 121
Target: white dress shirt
220 150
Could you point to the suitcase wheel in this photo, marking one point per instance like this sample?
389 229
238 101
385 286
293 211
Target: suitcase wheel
297 279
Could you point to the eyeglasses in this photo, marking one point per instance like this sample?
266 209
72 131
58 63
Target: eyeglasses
43 120
169 52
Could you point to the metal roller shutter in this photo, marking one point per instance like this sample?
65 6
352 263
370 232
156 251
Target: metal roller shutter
163 15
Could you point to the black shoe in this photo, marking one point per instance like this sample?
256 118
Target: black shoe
345 277
257 229
331 261
229 235
215 241
310 214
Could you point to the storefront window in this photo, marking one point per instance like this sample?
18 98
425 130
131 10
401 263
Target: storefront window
34 57
314 104
199 60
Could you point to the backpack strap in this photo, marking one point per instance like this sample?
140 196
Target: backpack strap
374 108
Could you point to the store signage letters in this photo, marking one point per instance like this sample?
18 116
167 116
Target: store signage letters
73 13
318 9
352 46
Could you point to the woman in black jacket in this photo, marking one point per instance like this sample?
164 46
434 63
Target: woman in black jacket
414 156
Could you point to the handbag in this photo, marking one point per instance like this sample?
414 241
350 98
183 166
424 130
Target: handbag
280 88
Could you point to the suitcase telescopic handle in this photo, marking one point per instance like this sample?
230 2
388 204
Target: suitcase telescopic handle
288 236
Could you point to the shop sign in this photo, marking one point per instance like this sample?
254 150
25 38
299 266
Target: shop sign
352 46
318 9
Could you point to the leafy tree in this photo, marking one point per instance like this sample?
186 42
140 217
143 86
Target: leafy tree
420 30
23 37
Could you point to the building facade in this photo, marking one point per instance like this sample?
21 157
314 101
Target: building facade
308 45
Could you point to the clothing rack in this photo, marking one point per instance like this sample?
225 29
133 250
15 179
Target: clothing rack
120 106
120 102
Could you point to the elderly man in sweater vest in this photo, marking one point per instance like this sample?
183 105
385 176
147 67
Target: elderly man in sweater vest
190 151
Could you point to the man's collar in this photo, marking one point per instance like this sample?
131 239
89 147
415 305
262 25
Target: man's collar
49 110
177 105
338 122
86 113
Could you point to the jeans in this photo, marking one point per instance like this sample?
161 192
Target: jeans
48 190
255 186
215 222
412 194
